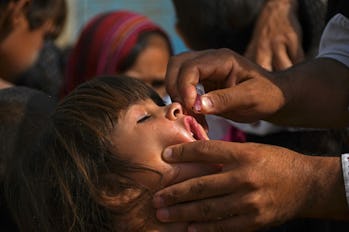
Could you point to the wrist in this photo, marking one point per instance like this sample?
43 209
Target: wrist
325 189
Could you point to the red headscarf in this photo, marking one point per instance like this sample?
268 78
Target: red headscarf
104 44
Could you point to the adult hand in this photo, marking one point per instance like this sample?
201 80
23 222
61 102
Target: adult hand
276 43
235 87
5 84
259 186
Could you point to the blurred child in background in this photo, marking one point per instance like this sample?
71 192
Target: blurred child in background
119 42
24 26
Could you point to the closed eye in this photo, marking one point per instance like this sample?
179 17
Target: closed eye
144 118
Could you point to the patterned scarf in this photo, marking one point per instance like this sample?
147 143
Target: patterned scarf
104 44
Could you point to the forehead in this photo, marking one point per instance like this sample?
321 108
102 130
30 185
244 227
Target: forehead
152 61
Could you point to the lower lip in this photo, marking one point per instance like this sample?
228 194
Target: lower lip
192 125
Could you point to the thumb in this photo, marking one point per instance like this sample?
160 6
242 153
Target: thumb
217 102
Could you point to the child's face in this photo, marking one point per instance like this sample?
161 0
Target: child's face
146 129
150 65
20 49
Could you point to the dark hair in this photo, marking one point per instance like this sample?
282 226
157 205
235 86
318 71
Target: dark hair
142 43
23 114
217 24
229 23
37 13
46 74
5 18
76 181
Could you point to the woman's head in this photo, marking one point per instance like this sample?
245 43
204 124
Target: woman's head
119 42
100 160
24 26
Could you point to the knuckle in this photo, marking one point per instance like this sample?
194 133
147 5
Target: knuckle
200 148
178 153
255 205
190 66
198 187
250 148
204 148
221 101
206 210
171 196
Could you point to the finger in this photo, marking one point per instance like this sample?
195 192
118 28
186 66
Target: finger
211 209
243 102
211 65
235 223
172 73
184 171
224 100
250 51
264 56
295 49
281 60
208 151
195 189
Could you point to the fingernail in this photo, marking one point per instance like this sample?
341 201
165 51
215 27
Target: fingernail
167 155
206 102
162 214
158 202
197 104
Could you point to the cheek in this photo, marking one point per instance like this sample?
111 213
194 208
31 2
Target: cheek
19 54
146 146
31 51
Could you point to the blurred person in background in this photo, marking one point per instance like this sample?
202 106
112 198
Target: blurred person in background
24 26
119 42
24 113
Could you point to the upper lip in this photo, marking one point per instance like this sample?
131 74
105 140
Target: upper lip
194 128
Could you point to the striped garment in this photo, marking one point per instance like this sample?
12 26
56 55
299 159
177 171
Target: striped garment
104 44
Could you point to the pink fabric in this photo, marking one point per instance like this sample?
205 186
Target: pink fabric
104 44
234 135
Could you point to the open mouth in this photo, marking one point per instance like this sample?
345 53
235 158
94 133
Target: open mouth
195 129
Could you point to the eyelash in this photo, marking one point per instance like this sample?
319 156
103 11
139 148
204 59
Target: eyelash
144 118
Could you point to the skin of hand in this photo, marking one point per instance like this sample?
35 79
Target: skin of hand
235 87
311 94
259 186
276 42
5 84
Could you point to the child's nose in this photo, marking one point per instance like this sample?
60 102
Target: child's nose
174 111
